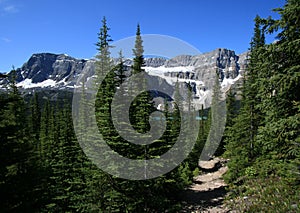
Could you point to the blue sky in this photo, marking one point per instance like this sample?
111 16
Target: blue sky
71 27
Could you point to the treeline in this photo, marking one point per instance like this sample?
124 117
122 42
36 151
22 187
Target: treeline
263 141
44 169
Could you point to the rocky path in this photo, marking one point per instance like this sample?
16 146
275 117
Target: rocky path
208 189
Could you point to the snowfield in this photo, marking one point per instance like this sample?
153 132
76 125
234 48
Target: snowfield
27 83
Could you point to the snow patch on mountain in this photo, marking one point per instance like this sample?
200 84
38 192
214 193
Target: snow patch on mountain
27 84
227 82
163 72
61 72
182 75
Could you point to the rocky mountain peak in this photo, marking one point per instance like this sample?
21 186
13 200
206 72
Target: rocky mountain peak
60 71
45 66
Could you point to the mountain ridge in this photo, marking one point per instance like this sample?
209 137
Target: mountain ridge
61 72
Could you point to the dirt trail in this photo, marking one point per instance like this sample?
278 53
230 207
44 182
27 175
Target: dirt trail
208 189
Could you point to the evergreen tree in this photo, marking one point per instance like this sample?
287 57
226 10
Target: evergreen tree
148 195
15 152
263 143
240 138
100 182
120 70
142 106
43 146
231 108
35 119
138 52
217 121
279 87
103 65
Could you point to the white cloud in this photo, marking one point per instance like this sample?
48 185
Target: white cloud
10 9
6 40
7 7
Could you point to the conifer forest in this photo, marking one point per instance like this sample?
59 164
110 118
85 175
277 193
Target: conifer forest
43 168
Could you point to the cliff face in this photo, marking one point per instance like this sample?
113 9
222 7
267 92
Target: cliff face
62 69
59 72
225 62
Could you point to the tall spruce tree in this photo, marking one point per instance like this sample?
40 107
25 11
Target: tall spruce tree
240 138
278 88
263 143
138 52
217 120
99 182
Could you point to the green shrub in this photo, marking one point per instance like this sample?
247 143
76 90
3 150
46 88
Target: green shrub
273 194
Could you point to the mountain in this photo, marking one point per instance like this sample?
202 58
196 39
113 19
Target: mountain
60 72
